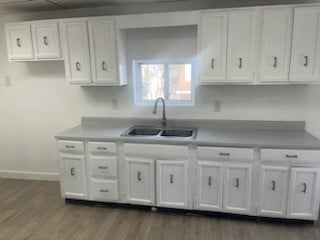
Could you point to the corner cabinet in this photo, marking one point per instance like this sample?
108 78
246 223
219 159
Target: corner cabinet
33 41
91 52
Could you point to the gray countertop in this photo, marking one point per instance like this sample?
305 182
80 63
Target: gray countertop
211 133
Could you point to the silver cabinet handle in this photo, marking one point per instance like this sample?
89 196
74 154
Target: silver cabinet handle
240 63
171 178
275 62
273 185
101 148
104 66
237 182
304 187
210 181
72 172
212 63
224 154
139 176
78 66
70 146
103 167
104 190
291 156
306 61
18 42
45 40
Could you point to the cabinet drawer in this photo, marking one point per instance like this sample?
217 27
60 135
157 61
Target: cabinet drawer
170 151
71 146
104 190
102 147
220 153
289 155
103 167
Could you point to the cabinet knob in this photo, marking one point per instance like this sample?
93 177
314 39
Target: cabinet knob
139 176
18 42
291 156
273 185
45 40
304 190
209 181
72 172
224 154
171 178
240 63
212 63
237 182
104 66
70 146
306 61
78 66
275 62
103 167
101 148
104 190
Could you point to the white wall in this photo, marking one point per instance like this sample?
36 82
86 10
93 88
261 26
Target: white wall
39 104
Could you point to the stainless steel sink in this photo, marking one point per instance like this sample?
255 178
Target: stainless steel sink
157 132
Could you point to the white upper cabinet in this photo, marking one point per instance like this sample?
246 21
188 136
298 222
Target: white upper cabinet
19 41
241 45
213 47
46 41
305 61
77 57
303 202
103 51
276 44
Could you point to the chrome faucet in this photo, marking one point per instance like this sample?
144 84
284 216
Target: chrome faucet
154 111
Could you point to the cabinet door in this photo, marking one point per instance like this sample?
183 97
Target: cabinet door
237 188
303 200
46 43
76 47
306 45
140 181
103 51
74 180
273 191
276 45
213 47
19 41
209 186
172 184
241 46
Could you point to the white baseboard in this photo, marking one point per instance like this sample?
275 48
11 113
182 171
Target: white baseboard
44 176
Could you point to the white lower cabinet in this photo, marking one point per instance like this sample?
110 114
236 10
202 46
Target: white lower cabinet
103 190
237 188
209 186
140 181
172 184
74 182
303 202
273 191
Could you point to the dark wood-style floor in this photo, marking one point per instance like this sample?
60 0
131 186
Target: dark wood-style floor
34 210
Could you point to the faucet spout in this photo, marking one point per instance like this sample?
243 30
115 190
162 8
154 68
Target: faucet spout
154 111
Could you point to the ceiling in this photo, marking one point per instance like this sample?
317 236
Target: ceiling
7 6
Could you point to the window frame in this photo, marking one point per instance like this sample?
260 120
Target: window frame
138 82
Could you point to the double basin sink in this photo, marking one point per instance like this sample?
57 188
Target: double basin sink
150 131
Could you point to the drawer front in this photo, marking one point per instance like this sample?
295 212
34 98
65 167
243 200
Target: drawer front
170 151
103 167
102 148
220 153
104 190
289 155
71 146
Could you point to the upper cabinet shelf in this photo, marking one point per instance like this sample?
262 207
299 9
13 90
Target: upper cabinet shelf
34 41
257 45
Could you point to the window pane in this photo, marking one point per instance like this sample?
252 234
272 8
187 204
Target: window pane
152 81
180 82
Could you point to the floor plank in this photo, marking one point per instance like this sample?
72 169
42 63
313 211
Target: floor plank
33 210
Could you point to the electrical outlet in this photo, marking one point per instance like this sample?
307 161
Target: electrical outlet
7 81
217 106
115 104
